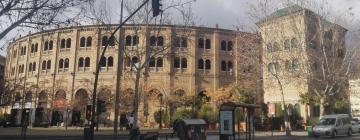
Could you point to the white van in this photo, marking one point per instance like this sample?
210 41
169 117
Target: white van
333 125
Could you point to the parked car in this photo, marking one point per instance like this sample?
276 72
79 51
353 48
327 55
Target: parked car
355 126
333 125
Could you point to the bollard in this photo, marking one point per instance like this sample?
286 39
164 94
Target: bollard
87 132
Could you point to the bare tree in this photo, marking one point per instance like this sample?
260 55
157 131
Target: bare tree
138 55
38 14
279 38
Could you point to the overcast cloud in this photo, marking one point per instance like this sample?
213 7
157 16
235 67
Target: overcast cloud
231 13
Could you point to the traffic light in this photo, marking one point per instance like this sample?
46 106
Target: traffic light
156 7
88 112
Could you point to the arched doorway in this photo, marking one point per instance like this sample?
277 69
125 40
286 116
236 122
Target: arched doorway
59 107
175 101
15 110
201 99
152 103
104 106
27 107
41 113
79 107
127 101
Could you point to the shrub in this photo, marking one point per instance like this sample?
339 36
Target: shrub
208 113
182 113
164 117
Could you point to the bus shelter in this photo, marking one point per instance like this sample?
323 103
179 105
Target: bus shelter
227 120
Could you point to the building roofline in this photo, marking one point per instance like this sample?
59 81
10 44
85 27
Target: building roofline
297 9
130 25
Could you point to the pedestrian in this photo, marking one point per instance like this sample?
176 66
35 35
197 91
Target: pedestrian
123 121
131 120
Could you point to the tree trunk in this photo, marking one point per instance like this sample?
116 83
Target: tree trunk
286 115
137 97
322 106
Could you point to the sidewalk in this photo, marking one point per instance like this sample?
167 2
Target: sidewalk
75 131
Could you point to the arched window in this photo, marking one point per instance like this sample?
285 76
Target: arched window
160 41
68 43
62 43
184 42
36 47
43 65
207 64
128 40
223 66
81 62
82 42
184 63
46 45
88 41
66 63
200 64
48 64
135 40
294 43
104 40
201 43
51 45
152 62
271 68
230 46
207 44
176 62
110 61
87 62
177 42
61 63
295 64
229 66
30 67
103 61
112 41
287 44
34 66
223 45
32 48
152 41
159 62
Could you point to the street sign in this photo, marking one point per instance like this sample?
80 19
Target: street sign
271 109
226 122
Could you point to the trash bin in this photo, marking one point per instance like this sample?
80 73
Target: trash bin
87 132
309 130
191 129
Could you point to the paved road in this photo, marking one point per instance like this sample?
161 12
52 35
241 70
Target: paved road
106 134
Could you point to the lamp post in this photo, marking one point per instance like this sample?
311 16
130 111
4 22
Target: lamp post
161 102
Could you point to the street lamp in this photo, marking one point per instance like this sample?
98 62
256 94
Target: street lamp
161 102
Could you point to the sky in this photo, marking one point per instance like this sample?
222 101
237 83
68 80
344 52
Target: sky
230 14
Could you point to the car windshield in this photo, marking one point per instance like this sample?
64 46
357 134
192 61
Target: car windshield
327 121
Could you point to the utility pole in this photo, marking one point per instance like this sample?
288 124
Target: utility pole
93 109
118 77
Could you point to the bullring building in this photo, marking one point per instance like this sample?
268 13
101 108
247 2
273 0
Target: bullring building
52 71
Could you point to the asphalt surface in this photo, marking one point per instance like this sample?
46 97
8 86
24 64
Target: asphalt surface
106 134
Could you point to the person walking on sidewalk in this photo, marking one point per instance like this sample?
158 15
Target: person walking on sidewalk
131 121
